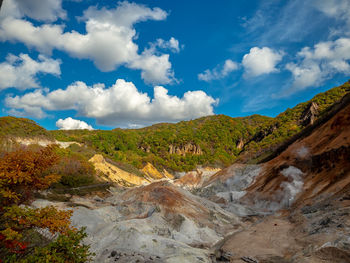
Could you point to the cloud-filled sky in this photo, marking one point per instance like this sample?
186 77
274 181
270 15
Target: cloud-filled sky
72 64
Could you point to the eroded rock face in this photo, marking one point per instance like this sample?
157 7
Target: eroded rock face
153 174
196 179
228 186
146 149
323 157
188 148
310 114
111 173
240 144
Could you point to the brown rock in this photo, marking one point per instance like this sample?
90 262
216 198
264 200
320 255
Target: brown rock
310 114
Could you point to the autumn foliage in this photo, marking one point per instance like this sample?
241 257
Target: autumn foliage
22 172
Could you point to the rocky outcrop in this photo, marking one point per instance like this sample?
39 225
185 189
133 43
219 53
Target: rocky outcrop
240 144
146 149
112 173
43 142
310 114
168 175
197 178
264 133
153 174
188 148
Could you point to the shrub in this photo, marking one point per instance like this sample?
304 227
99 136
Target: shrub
74 171
22 172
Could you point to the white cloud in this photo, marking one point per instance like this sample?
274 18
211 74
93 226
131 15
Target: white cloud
305 75
229 66
219 72
108 41
172 44
333 8
319 63
48 10
261 61
121 104
338 9
20 71
72 124
155 69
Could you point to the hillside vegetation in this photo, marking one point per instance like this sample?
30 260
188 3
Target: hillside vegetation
21 127
290 122
213 140
206 141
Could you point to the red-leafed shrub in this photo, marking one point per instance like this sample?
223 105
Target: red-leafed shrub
22 172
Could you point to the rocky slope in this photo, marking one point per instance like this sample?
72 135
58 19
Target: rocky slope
294 207
110 172
319 160
155 223
309 184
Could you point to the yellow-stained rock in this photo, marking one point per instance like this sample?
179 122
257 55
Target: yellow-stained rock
167 174
153 174
115 174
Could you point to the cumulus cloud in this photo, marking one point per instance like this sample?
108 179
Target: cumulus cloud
72 124
261 61
172 44
20 71
319 63
324 60
108 41
121 104
48 10
219 72
155 69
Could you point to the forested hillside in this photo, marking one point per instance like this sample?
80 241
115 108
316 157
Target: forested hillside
216 140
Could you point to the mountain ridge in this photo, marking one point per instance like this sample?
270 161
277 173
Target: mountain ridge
293 208
216 140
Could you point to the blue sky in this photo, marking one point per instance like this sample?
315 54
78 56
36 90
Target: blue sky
104 64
